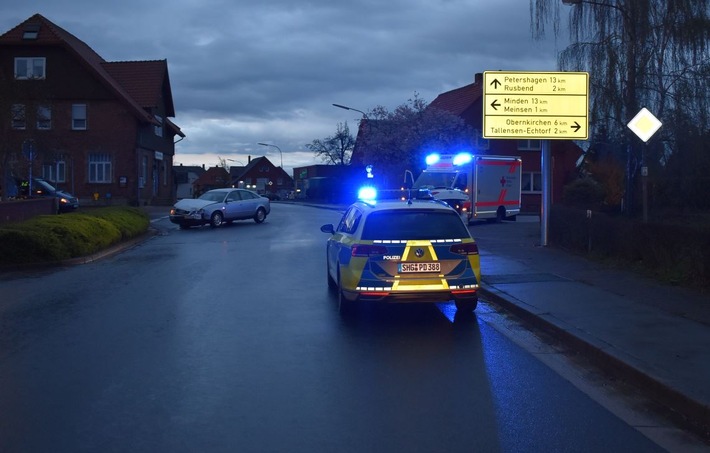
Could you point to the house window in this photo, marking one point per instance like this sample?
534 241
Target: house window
158 129
78 116
18 116
529 145
165 173
44 117
99 167
531 182
29 68
55 172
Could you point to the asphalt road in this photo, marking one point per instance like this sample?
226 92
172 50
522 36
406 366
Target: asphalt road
228 340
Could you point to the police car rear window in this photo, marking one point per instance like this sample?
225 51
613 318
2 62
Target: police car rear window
408 225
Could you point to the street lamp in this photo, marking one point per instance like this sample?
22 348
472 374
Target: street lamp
280 153
350 108
232 160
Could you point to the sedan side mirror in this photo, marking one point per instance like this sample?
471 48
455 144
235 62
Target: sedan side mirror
328 228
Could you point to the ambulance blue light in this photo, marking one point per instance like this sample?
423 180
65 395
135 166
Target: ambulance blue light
367 193
462 158
431 159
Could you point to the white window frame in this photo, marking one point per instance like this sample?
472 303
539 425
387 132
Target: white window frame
158 129
44 117
55 171
18 115
99 168
30 68
78 117
529 144
531 182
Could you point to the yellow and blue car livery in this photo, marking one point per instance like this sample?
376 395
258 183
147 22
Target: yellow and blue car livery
399 251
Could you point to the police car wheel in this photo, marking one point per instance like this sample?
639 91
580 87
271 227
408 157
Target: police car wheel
466 305
331 283
345 307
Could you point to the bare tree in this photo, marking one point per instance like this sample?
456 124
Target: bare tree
639 53
337 149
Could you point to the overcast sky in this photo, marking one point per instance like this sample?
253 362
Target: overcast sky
250 71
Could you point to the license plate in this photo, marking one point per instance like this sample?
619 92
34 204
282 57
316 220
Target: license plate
405 268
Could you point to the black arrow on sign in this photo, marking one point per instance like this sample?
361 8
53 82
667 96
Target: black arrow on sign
494 105
576 126
495 83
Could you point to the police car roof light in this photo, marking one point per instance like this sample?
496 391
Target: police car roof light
367 193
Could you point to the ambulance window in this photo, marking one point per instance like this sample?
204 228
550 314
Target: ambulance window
461 181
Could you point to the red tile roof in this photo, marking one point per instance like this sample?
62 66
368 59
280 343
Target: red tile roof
459 100
143 80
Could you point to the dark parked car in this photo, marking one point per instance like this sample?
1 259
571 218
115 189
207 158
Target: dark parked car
66 202
220 206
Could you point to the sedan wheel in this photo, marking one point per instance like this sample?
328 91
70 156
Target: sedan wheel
260 215
216 220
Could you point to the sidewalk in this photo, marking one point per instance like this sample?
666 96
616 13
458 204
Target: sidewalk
653 335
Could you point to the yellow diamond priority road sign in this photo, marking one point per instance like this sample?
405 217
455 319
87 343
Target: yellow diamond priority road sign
644 124
536 105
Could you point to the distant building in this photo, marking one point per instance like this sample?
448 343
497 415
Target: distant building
92 127
185 177
263 177
213 178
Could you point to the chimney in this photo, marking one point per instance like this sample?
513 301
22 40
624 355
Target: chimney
478 78
249 161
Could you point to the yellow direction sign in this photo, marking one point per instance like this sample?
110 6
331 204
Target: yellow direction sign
536 105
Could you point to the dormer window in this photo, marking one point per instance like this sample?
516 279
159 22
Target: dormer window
31 31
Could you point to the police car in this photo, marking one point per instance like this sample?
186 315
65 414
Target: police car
402 251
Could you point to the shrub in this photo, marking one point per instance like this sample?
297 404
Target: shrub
584 193
56 237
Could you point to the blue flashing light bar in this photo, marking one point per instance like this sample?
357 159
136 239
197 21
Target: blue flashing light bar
431 159
462 158
367 193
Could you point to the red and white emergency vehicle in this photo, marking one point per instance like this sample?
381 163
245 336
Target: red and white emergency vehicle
478 186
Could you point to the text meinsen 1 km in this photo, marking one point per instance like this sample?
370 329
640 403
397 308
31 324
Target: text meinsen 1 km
530 127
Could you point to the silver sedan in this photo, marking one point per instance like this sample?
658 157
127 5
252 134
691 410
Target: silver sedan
219 206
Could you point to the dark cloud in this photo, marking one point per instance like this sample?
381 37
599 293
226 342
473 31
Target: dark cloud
268 71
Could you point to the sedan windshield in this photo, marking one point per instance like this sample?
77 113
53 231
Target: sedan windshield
212 196
408 225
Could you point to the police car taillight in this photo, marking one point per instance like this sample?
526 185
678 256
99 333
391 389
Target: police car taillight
468 248
368 250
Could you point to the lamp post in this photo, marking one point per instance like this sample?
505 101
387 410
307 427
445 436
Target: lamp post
274 146
364 115
236 161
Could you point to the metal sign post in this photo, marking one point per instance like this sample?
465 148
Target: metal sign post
644 125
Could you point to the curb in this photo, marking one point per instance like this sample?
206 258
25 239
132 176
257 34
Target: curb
682 410
113 250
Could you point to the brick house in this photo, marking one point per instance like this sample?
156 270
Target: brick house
263 177
98 129
213 178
